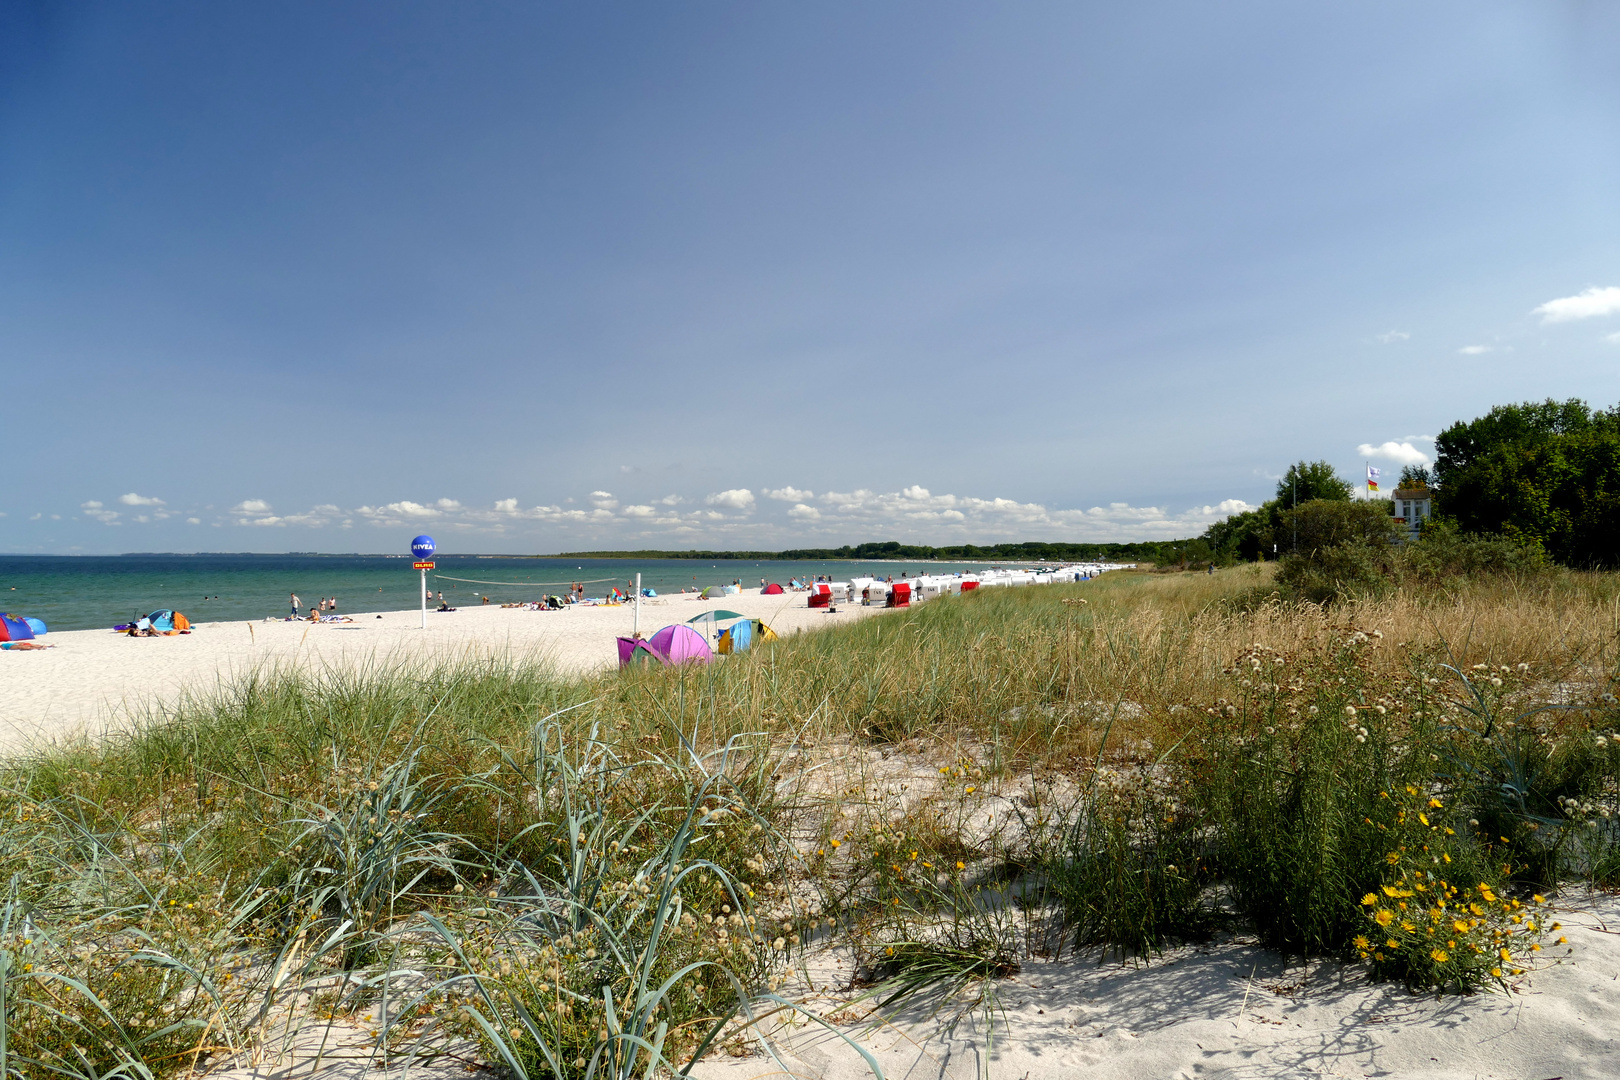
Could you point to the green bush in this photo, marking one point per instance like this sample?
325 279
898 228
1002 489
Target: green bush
1444 553
1341 571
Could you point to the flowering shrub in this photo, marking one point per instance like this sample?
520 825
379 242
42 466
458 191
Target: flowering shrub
1433 923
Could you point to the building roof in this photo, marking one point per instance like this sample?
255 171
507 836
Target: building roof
1413 493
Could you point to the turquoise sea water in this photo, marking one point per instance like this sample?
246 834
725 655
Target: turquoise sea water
91 591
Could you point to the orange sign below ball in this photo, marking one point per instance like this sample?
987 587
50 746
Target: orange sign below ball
423 566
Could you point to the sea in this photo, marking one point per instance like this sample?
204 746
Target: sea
87 592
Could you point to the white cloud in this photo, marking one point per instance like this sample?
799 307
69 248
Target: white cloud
314 518
603 500
671 500
1401 453
1612 339
735 498
804 513
1389 337
788 494
639 512
251 506
193 521
506 506
921 513
133 499
35 517
405 509
1590 304
1475 350
94 509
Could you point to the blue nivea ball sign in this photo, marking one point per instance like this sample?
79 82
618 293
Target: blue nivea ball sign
422 547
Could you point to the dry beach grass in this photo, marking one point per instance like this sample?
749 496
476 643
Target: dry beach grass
451 862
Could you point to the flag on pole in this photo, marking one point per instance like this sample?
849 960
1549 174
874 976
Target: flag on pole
1372 479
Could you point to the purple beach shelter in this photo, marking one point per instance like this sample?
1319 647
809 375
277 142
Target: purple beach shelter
680 644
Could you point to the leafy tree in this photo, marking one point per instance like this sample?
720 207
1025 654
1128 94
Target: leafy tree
1463 443
1310 480
1416 476
1245 536
1544 474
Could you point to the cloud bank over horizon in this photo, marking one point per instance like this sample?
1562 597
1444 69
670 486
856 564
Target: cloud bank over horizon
733 517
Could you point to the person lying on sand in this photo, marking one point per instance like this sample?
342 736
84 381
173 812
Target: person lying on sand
23 646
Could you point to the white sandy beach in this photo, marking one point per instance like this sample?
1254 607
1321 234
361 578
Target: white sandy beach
90 681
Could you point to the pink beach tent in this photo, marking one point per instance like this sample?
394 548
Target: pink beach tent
677 644
773 589
680 644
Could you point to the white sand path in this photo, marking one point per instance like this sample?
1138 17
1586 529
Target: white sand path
91 681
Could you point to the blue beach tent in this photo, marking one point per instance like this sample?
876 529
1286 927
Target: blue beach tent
15 628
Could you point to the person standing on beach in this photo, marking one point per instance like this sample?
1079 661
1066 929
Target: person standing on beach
295 604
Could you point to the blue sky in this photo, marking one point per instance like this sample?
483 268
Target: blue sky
541 277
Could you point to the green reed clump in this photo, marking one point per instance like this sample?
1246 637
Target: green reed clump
631 949
1131 869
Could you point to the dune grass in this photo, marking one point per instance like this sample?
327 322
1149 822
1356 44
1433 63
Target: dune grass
613 875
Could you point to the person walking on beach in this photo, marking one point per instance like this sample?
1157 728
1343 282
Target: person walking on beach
295 604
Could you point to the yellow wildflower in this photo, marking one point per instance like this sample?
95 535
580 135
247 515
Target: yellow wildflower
1369 900
1384 917
1439 956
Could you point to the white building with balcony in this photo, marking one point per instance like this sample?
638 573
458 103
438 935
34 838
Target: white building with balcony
1413 506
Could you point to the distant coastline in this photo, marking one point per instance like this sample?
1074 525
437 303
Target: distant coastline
891 550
